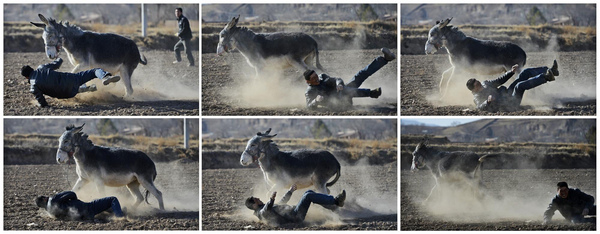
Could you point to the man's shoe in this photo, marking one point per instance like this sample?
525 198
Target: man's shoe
554 68
190 65
175 62
340 198
549 76
83 88
375 93
387 54
110 79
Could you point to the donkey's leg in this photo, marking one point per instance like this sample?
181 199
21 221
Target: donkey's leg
78 184
149 185
126 73
134 189
444 85
297 63
430 193
100 187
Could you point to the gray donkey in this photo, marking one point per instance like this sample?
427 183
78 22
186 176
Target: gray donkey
295 48
281 169
108 166
86 50
471 54
444 164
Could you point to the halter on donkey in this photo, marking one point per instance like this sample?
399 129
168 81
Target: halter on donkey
470 54
87 50
297 49
108 166
281 169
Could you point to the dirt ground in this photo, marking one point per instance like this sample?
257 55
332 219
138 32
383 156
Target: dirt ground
160 88
573 92
229 86
178 181
371 202
514 200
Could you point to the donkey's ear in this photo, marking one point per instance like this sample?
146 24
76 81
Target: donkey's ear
78 129
39 25
268 131
43 18
437 22
445 22
267 137
233 22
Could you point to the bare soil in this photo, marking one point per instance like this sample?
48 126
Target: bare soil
370 205
160 88
573 92
178 181
516 200
229 86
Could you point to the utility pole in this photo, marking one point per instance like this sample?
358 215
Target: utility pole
186 136
143 21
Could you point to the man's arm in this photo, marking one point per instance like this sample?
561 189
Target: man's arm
39 96
311 100
185 26
63 197
288 195
53 65
550 211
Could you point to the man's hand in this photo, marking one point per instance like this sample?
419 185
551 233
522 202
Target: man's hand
273 196
490 99
319 98
545 222
293 188
339 87
585 212
514 68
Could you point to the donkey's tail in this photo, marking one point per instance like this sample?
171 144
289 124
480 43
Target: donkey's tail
337 176
317 59
143 60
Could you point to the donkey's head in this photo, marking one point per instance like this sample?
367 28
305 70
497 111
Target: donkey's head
419 156
255 147
67 144
53 38
226 42
436 38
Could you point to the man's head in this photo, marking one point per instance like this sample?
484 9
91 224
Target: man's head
178 12
26 71
474 85
41 201
563 189
311 77
253 203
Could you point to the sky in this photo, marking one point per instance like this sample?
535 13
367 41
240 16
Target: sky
443 122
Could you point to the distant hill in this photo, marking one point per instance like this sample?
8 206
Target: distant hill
511 130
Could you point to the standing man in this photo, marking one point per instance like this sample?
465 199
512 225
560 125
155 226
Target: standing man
45 80
185 35
573 204
66 205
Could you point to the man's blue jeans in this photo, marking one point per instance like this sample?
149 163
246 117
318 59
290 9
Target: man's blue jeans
528 79
352 88
99 205
312 197
85 76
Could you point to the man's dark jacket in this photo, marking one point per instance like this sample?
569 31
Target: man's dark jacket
278 213
328 89
502 99
184 28
573 205
44 80
66 204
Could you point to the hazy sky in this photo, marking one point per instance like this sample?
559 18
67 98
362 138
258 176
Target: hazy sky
444 122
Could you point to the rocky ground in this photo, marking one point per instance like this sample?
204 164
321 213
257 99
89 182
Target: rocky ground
371 201
160 88
178 181
573 93
229 86
513 200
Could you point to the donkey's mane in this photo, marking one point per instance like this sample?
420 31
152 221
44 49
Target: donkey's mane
454 32
66 27
84 140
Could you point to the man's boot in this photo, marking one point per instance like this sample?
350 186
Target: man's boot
387 54
340 198
110 79
549 75
375 93
554 68
84 88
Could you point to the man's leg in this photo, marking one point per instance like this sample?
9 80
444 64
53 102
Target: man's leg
99 205
526 74
520 87
188 51
312 197
369 70
177 50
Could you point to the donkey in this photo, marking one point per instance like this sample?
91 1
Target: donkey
444 164
296 49
86 50
470 54
284 168
108 166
